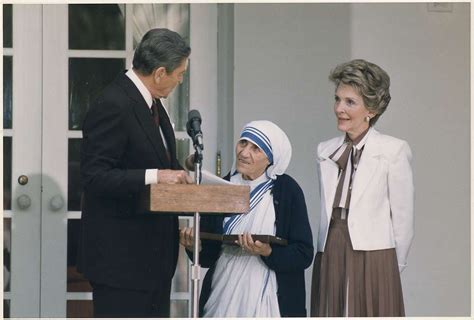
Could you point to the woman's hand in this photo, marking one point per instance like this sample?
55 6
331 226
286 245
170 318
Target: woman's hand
253 247
186 238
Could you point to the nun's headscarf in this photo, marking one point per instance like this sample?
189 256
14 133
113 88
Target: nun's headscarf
272 141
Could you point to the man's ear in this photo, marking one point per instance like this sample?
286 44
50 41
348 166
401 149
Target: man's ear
159 73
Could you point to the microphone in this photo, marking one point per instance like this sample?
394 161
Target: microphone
193 127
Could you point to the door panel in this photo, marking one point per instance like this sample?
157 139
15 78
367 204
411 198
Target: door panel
54 161
7 152
26 153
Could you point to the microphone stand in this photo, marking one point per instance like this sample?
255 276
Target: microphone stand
196 268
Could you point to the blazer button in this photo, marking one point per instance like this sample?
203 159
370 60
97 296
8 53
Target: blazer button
275 202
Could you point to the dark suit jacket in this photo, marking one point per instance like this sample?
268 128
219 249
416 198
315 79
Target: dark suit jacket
288 262
120 245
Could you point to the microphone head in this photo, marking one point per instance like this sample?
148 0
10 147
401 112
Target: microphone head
193 126
194 115
189 129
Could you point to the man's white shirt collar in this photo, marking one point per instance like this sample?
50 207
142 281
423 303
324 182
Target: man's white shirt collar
143 90
140 86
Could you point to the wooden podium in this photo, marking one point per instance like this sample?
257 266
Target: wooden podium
197 199
190 198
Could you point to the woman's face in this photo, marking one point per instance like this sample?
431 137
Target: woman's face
251 162
350 111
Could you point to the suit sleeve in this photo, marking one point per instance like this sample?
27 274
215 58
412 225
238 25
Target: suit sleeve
401 195
104 143
298 254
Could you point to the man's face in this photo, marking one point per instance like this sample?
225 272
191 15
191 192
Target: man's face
165 83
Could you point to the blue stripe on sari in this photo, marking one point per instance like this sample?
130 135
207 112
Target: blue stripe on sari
260 134
255 196
260 140
267 276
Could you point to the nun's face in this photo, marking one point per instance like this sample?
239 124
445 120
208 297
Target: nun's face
251 161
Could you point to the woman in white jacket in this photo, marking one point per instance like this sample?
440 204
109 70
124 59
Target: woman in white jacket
367 193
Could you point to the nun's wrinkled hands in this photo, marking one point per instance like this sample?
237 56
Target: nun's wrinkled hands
253 247
186 238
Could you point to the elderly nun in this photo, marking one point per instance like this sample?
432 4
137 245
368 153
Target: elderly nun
256 279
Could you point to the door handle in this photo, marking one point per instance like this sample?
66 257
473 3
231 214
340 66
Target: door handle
56 203
23 201
23 180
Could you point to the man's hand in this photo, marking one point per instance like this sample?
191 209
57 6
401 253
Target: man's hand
166 176
186 238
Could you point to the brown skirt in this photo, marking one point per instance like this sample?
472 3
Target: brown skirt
354 283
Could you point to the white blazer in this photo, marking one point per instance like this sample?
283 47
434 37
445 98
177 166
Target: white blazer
382 199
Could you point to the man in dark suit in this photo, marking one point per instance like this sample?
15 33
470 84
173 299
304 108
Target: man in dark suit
128 255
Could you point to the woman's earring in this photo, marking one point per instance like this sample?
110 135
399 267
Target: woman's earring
367 119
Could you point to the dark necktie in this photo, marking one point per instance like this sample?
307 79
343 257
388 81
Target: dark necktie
155 114
156 120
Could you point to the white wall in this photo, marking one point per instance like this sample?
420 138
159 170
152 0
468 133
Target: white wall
283 55
203 94
427 56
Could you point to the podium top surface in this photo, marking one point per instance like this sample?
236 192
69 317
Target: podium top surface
199 198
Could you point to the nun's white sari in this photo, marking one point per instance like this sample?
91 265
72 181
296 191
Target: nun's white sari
242 284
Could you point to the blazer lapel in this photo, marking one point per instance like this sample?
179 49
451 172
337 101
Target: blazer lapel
142 112
329 171
168 132
368 164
